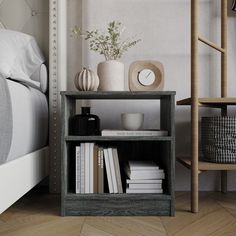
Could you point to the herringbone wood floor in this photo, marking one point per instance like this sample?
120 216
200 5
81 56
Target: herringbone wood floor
37 214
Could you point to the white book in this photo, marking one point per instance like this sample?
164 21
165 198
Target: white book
143 174
144 181
117 169
87 168
113 172
158 133
142 165
82 169
91 168
145 186
77 170
100 171
108 170
144 190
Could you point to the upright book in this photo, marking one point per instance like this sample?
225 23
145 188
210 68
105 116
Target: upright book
117 169
82 168
87 167
77 170
95 169
108 170
91 167
100 170
113 172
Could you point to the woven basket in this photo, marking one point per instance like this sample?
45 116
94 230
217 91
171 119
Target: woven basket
218 138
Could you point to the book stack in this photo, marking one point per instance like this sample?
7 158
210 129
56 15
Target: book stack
144 177
89 168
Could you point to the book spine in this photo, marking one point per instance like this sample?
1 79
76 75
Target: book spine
95 169
91 167
82 169
113 172
100 171
144 190
87 168
117 169
146 175
77 173
144 181
145 186
108 171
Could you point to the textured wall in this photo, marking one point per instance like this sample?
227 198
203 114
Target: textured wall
164 27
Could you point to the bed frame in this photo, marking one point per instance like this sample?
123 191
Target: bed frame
41 19
19 176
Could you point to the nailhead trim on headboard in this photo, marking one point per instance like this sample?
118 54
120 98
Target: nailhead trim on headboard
54 136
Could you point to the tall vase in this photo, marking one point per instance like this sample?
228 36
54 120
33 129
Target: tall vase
112 76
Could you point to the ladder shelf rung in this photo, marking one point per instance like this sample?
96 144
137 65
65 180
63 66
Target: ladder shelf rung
211 44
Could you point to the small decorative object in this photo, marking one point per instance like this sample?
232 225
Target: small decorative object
112 47
132 121
86 80
85 123
146 76
218 139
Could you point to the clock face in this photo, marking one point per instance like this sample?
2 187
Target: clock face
146 77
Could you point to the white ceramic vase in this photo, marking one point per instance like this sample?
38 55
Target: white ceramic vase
112 76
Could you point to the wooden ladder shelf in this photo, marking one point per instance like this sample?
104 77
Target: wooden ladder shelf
196 165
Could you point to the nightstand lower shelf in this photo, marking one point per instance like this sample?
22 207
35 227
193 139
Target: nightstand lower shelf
118 204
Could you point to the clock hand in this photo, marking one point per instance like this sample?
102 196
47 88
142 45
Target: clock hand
148 74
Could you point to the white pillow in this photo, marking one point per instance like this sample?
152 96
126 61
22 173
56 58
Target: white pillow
41 75
20 56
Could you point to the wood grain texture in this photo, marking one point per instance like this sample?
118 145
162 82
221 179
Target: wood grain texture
118 138
204 165
211 44
116 95
117 204
217 101
38 214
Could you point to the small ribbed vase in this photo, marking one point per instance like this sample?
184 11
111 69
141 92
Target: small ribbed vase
86 80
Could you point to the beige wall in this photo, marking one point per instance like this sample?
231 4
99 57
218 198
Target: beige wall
164 27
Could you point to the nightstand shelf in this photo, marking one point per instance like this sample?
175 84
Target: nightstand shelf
117 138
159 149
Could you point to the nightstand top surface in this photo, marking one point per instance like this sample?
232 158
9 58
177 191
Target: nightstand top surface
117 94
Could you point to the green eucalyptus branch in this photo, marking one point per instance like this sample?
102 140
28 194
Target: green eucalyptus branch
109 43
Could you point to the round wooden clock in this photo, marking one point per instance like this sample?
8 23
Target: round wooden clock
146 76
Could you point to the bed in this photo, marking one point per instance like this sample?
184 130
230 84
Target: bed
24 115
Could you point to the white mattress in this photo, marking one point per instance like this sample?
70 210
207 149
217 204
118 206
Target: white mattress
30 120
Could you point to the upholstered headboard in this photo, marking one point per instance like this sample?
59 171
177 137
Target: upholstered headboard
27 16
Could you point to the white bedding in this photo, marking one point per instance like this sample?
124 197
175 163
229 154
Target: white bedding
30 120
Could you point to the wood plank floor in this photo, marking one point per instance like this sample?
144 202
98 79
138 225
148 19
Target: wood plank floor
37 214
